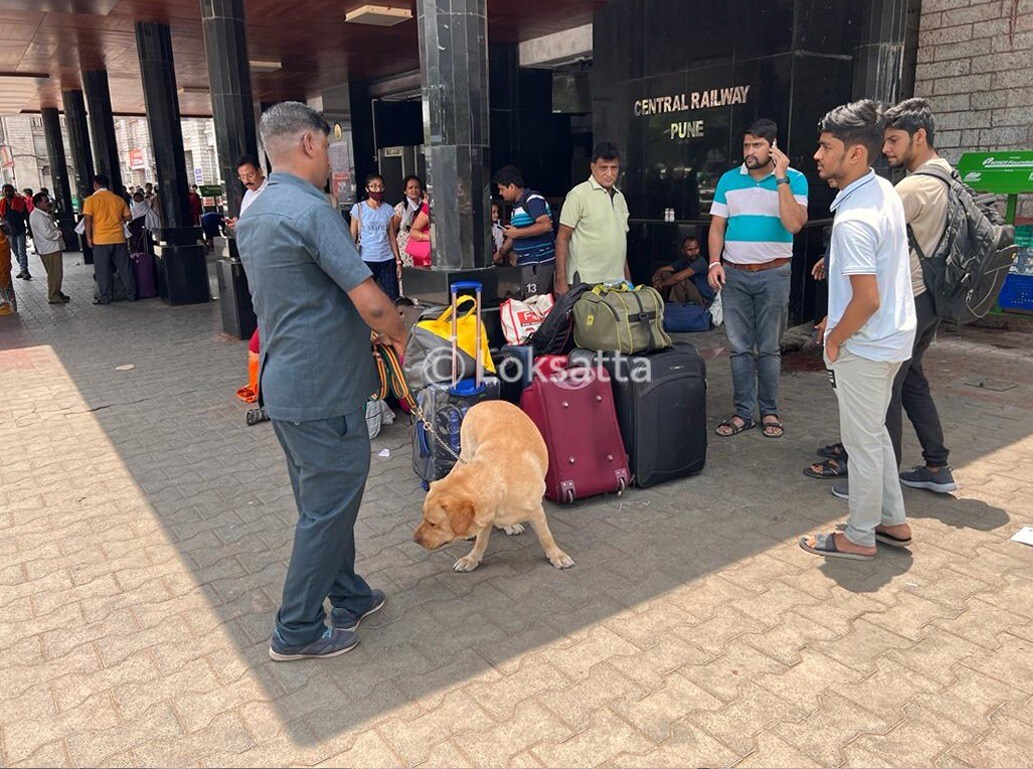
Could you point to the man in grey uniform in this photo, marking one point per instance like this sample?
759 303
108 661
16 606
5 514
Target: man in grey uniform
316 303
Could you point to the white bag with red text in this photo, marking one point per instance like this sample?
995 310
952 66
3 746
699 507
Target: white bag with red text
521 318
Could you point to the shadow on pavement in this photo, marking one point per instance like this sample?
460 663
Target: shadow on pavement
221 493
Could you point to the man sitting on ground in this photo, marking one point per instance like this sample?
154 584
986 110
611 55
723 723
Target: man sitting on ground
685 281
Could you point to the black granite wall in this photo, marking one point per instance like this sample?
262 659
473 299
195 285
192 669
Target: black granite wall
795 57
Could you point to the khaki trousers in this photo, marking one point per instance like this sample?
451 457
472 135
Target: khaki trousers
54 264
863 389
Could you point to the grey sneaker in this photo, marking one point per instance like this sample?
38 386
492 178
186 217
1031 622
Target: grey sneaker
841 489
921 477
332 643
349 620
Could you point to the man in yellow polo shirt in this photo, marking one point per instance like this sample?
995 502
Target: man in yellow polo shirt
105 214
592 243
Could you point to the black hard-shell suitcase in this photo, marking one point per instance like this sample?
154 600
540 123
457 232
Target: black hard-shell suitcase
661 402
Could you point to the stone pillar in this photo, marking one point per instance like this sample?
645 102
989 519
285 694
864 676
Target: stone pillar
82 157
62 190
102 127
453 38
154 45
78 142
229 76
233 112
180 259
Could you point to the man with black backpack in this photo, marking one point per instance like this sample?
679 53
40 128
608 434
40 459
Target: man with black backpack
908 143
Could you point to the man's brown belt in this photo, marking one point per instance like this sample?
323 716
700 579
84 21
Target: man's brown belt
761 266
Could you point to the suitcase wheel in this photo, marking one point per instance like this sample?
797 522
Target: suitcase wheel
568 496
425 485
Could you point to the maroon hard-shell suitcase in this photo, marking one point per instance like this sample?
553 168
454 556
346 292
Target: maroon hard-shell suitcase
578 420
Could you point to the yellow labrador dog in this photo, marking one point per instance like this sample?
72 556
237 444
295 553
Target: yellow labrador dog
498 482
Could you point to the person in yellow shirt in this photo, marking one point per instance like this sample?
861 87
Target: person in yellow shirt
106 215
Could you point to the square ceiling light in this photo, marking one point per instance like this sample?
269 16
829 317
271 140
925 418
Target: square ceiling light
379 15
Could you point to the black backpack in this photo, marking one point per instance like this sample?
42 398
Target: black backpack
556 334
965 272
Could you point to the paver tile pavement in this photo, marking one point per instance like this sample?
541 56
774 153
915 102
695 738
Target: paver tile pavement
144 531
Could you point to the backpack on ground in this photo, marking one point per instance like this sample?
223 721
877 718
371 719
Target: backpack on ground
967 269
555 336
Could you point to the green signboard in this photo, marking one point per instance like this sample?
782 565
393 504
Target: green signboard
210 190
1008 172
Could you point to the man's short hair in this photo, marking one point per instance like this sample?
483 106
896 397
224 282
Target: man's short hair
605 151
763 128
859 122
290 118
27 190
101 179
687 238
248 160
508 175
910 115
39 197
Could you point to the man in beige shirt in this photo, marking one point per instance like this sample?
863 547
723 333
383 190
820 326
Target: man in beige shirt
908 143
592 242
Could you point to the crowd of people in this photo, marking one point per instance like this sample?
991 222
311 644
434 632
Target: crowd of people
319 285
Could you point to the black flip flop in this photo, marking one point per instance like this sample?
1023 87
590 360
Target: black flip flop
830 468
888 539
832 451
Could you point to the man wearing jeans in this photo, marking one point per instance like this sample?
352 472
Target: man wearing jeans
757 209
14 211
870 327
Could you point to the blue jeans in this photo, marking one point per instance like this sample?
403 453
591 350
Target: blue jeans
386 275
754 308
18 249
328 462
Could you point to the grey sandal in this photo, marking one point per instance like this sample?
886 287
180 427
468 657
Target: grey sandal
825 544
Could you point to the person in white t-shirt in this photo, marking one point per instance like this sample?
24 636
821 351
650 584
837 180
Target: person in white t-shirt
870 327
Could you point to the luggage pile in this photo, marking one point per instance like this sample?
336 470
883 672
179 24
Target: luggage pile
617 401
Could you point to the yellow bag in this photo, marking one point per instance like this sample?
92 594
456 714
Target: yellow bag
430 345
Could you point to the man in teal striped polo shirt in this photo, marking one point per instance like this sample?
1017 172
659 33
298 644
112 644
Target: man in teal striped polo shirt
757 209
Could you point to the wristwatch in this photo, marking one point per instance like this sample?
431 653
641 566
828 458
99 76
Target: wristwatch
783 180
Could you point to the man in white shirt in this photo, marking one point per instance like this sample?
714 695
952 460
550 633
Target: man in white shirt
870 328
50 245
249 171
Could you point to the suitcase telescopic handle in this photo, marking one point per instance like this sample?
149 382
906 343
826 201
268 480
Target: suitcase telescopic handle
476 287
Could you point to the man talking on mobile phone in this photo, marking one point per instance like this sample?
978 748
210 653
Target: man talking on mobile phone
757 209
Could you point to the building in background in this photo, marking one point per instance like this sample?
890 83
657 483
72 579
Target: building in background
23 152
24 161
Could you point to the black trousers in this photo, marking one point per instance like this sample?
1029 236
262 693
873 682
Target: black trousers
911 393
106 259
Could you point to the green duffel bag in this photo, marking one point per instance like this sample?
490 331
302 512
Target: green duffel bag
622 319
